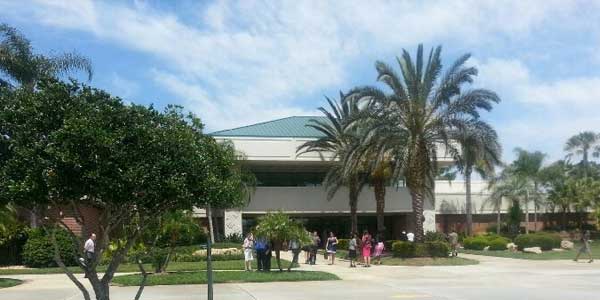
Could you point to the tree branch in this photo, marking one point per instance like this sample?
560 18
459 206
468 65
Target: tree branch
59 261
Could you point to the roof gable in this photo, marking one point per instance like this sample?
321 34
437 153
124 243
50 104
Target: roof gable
294 126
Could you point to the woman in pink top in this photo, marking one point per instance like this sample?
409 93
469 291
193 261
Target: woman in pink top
366 248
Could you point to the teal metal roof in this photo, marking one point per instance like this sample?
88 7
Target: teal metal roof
287 127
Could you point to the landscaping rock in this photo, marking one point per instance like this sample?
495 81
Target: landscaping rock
536 250
223 251
567 245
558 250
487 248
511 247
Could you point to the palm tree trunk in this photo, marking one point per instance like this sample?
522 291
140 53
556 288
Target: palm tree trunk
379 189
417 204
353 197
468 203
535 206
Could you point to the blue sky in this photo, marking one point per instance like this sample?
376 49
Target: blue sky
237 63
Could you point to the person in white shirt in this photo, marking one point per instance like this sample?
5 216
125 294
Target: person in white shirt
410 237
89 246
248 247
89 249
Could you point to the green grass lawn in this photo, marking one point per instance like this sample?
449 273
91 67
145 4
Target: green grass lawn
546 255
8 282
427 261
173 267
224 277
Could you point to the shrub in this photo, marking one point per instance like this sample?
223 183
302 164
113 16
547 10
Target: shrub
389 244
38 251
498 244
403 249
342 244
232 238
475 243
434 236
546 241
437 249
427 249
11 246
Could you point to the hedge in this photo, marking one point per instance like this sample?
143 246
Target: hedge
546 241
38 251
493 241
427 249
343 244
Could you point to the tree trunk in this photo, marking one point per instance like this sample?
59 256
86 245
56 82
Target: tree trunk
211 234
469 205
60 263
144 279
379 189
417 204
564 218
278 257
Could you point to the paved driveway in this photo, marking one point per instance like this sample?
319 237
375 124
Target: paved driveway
493 278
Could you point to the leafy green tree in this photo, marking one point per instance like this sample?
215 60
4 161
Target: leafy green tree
72 146
417 117
20 65
584 144
278 228
340 137
480 152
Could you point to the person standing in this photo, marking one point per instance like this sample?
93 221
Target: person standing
89 250
410 237
314 248
248 248
453 239
261 252
379 247
331 246
294 246
366 248
585 246
352 245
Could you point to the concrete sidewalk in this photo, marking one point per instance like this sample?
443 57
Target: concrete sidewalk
494 278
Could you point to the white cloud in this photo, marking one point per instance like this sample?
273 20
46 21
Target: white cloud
540 114
250 61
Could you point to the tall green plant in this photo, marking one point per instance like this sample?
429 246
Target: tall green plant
583 144
417 118
340 136
278 228
479 152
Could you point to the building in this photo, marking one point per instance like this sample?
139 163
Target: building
292 183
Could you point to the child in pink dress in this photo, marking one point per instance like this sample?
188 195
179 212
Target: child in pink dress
379 247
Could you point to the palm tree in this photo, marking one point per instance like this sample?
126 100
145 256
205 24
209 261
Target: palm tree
505 186
420 114
480 152
527 167
582 144
339 137
20 65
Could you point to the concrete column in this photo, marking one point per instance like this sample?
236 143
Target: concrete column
429 223
232 220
